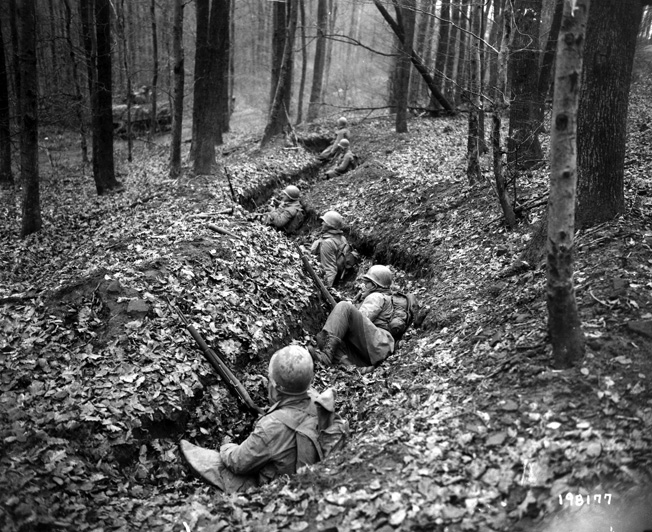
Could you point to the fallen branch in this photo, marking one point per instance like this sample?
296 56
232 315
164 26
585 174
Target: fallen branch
217 229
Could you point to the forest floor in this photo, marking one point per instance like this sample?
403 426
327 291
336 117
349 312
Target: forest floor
467 427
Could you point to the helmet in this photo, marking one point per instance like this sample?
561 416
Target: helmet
344 143
292 192
341 122
379 275
292 370
333 219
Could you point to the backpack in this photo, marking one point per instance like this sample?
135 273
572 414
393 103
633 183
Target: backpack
404 308
295 223
347 259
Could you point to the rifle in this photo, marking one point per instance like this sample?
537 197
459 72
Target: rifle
228 178
327 295
232 383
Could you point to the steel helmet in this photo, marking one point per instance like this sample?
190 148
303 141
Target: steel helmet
379 275
333 219
344 143
292 370
292 192
341 122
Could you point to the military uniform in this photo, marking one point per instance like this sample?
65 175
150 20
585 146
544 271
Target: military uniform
327 248
282 217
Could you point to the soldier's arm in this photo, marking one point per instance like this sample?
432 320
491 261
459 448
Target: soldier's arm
253 453
372 305
346 160
280 218
328 258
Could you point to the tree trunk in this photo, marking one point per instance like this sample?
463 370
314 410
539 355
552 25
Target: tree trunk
523 146
547 62
442 52
453 50
211 59
602 115
280 20
332 17
29 131
416 82
461 60
177 111
6 176
224 67
278 115
406 15
79 100
474 138
304 61
105 180
13 24
564 324
121 24
500 107
90 49
154 122
416 60
320 61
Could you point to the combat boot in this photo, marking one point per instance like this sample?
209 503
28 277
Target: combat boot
327 347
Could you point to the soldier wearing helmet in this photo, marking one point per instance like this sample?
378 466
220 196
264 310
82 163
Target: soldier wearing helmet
331 248
341 133
289 215
360 336
346 160
274 447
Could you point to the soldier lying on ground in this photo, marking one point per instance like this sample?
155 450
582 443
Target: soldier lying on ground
360 336
346 160
341 133
290 214
332 248
299 428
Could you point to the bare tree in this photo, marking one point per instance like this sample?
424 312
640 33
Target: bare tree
177 111
154 119
320 61
475 96
29 119
6 176
564 324
278 113
405 16
304 60
501 105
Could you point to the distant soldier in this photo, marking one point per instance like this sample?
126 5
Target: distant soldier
289 215
334 251
346 160
341 133
367 335
300 428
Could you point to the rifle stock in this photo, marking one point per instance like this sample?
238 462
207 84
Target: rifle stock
231 381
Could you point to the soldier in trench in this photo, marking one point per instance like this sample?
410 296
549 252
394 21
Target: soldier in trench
335 253
299 428
345 161
341 133
361 335
289 215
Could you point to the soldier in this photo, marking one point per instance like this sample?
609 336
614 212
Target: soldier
333 250
360 336
346 160
289 215
287 437
341 133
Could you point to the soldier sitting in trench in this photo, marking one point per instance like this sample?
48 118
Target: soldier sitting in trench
300 428
341 133
334 251
289 215
360 336
345 162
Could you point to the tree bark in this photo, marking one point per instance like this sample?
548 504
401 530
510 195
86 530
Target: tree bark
6 176
278 114
547 62
474 138
179 76
602 115
500 107
211 85
79 99
564 324
121 24
29 120
320 61
405 15
304 61
523 146
13 25
442 52
154 120
90 50
105 180
424 17
453 50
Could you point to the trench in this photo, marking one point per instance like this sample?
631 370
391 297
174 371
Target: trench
172 424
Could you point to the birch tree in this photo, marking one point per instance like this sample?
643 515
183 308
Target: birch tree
564 324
